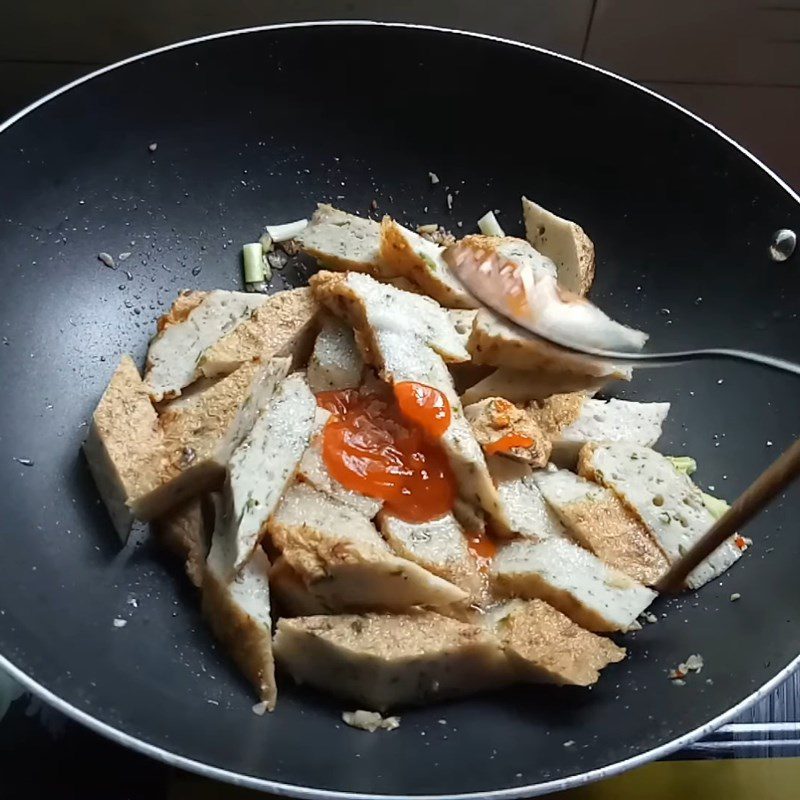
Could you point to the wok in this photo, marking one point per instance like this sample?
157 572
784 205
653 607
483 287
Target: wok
257 126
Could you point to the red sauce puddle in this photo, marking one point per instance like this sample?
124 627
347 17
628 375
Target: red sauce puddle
388 448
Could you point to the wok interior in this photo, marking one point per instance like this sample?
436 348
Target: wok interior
260 127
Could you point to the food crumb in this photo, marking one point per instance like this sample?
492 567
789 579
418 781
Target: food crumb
450 201
569 743
694 663
648 616
679 682
26 462
152 147
260 708
434 178
120 623
123 256
107 260
277 259
769 443
709 682
735 596
437 235
370 721
678 673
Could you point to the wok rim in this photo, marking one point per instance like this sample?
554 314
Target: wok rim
310 793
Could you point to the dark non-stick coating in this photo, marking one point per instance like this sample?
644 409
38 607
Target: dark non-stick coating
257 128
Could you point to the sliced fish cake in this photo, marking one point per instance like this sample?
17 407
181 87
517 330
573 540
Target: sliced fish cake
343 241
184 533
439 546
145 466
501 427
466 458
564 243
369 306
292 597
522 386
496 342
545 646
523 285
343 560
409 349
406 253
554 414
283 324
598 520
665 500
261 468
336 361
124 448
313 470
174 353
238 612
609 421
380 661
573 580
524 506
201 432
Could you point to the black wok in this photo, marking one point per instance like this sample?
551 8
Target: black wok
256 127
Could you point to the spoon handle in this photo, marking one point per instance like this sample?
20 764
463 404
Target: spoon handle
754 499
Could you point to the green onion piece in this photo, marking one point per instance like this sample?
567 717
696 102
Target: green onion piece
489 226
685 464
716 506
282 233
431 264
253 257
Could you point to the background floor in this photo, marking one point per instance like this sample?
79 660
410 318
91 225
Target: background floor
733 62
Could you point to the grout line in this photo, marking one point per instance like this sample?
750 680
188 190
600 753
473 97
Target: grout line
585 43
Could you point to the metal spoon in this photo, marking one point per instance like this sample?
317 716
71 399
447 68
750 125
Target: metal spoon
761 492
486 275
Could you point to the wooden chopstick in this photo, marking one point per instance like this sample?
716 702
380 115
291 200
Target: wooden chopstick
754 499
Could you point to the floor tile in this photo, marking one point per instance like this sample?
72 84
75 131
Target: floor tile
711 41
98 30
766 120
21 84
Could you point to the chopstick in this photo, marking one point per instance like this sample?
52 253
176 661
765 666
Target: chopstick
753 500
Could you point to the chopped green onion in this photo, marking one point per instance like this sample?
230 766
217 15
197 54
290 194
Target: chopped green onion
266 242
253 257
489 226
282 233
716 506
431 264
685 464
